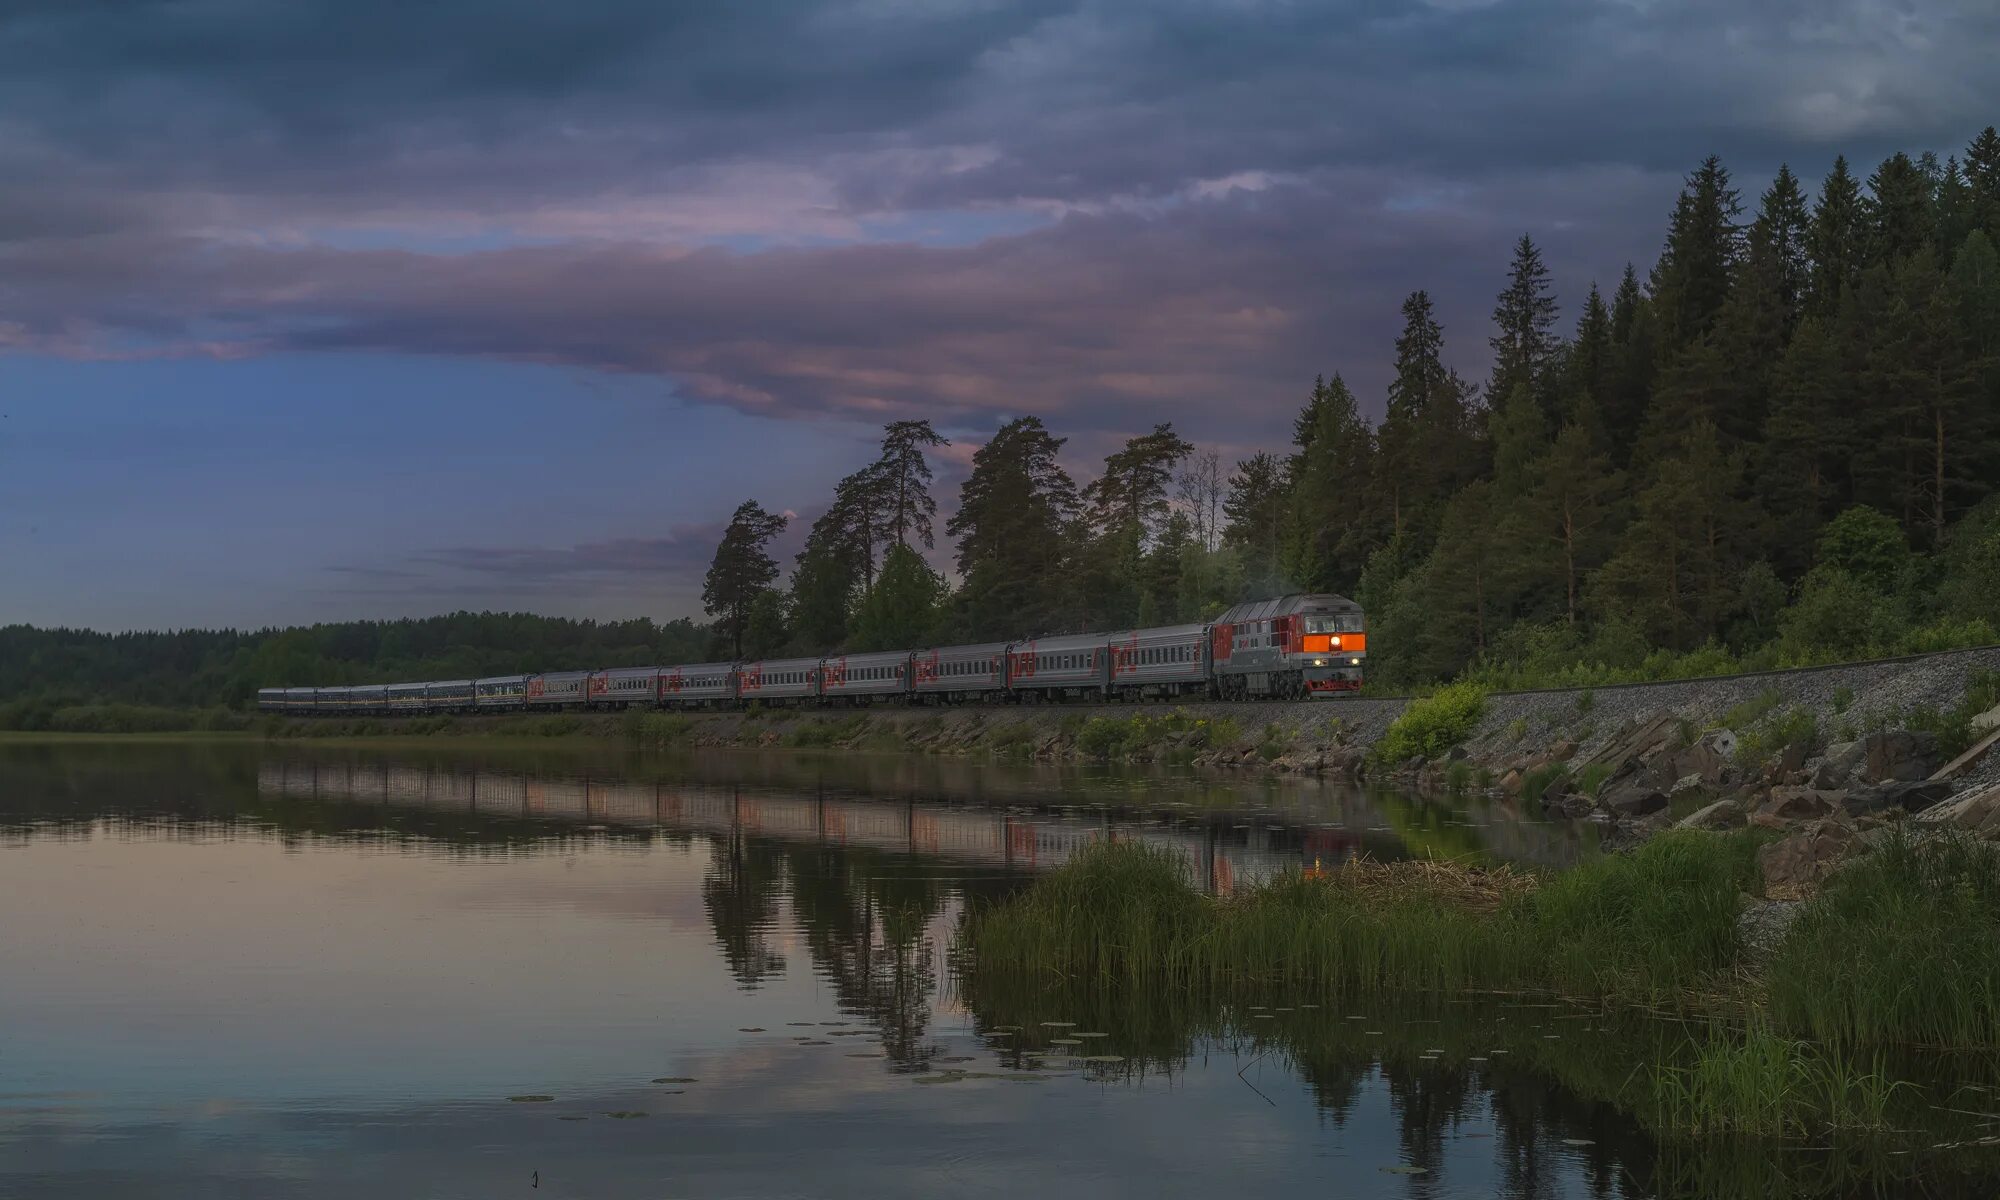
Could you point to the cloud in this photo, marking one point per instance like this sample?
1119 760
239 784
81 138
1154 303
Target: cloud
1115 213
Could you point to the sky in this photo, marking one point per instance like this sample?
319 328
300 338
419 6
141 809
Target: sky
322 309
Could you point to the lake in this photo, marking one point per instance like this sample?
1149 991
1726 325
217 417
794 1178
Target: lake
234 969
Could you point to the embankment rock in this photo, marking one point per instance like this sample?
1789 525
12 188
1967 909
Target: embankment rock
1789 803
1899 755
1910 797
1634 798
1723 814
1798 862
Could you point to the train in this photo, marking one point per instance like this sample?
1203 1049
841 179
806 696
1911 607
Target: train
1296 647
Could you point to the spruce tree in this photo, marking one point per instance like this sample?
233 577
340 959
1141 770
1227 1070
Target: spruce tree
1329 530
1698 265
1256 507
1779 240
1900 220
1982 180
1836 240
1575 511
1524 342
1807 443
1589 371
1635 351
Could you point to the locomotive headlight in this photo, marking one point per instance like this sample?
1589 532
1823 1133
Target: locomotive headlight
1319 662
1353 662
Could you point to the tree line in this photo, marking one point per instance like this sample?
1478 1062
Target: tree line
1774 446
42 670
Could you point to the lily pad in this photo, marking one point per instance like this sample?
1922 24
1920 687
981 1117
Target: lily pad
815 1042
1105 1058
677 1079
1578 1142
1065 1042
1080 1033
1406 1170
1263 1016
572 1117
751 1029
957 1058
625 1115
940 1077
1058 1024
531 1099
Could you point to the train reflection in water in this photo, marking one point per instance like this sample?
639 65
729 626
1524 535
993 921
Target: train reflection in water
1226 848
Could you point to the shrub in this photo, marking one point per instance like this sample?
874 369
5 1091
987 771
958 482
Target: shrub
1431 725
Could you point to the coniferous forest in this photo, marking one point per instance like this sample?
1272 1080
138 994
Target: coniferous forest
1776 445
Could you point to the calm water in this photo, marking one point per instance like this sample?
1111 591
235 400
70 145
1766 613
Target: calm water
274 972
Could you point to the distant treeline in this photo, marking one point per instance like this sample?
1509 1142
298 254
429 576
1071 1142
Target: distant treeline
45 670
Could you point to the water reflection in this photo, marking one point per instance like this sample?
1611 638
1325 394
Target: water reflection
317 973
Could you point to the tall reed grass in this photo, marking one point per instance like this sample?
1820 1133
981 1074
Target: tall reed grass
1902 946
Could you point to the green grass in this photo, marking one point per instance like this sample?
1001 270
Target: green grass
1902 947
1762 1085
1592 777
122 718
821 732
1954 726
658 729
1643 926
1749 712
1111 738
1430 725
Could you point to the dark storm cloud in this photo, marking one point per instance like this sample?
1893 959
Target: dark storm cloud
1220 198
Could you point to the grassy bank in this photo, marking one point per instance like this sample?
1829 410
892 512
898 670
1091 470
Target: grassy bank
1899 954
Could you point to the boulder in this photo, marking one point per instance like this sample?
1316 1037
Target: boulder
1798 863
1723 814
1898 754
1975 812
1790 803
1570 805
1634 799
1830 774
1987 721
1688 789
1510 783
1710 758
1905 796
1562 751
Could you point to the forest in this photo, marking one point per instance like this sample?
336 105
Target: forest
1776 446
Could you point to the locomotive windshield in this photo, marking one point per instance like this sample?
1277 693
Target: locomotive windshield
1345 623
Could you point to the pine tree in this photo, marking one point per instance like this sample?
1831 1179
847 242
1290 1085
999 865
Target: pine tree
826 583
1698 265
1956 218
1013 521
1524 343
1520 435
1130 498
1836 240
904 476
742 571
1900 220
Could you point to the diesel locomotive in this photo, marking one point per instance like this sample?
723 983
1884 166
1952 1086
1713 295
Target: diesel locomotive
1291 648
